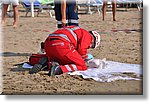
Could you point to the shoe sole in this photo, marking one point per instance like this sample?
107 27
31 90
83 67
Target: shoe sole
36 68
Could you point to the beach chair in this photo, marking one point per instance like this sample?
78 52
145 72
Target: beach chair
130 2
137 2
27 5
39 5
47 5
95 3
91 3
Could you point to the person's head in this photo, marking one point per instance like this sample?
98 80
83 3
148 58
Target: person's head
96 39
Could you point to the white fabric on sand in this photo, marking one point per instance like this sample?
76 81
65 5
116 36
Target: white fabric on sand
107 71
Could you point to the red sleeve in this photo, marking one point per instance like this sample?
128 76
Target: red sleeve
84 43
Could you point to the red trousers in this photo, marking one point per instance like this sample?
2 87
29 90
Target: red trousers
65 54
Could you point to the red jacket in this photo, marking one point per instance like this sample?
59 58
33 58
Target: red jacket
78 37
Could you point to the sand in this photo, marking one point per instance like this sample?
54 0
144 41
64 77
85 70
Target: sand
20 42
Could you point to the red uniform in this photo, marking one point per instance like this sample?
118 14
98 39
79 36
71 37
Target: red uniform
68 46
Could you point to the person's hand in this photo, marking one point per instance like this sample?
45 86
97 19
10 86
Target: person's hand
64 22
89 57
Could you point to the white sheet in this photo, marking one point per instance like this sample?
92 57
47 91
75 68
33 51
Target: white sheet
108 71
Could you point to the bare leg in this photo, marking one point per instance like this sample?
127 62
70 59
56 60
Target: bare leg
4 14
114 9
104 9
16 15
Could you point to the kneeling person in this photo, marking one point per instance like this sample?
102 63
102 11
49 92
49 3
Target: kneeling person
66 49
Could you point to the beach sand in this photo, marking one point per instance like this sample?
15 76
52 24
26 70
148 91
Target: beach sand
20 42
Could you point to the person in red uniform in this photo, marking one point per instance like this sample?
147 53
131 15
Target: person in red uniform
66 49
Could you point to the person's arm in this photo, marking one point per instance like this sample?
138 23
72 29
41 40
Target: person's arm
84 44
63 12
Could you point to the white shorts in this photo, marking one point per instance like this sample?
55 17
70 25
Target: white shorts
13 2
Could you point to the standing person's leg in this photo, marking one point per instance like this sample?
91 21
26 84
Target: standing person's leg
58 16
4 13
114 9
73 14
16 15
104 9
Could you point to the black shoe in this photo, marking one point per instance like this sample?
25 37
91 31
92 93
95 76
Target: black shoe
55 69
40 66
36 68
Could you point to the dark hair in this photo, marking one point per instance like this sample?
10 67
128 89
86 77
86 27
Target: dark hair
94 39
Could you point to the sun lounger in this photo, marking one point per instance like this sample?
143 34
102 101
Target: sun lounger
27 5
48 5
99 4
91 3
95 3
39 5
130 2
